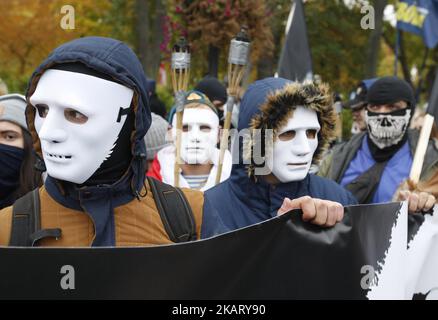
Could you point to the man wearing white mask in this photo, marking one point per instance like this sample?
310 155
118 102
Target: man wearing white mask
200 156
88 112
300 119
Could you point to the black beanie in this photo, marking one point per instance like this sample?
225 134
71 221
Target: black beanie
388 90
212 88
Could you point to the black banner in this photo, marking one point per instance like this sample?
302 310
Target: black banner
283 258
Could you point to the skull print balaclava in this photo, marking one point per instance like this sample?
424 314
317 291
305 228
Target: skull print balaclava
387 129
387 132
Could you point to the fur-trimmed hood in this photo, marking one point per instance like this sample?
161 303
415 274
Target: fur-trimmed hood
241 201
269 103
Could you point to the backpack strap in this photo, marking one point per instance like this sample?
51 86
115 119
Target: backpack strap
26 222
365 185
175 211
25 219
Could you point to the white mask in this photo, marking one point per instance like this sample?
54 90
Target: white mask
295 145
199 135
73 149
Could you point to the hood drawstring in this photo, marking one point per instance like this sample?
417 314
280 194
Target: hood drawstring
137 167
39 164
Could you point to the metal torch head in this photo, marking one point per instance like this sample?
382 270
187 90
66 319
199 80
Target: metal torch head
239 48
181 55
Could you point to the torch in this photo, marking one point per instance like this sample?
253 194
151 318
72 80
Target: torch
180 81
237 60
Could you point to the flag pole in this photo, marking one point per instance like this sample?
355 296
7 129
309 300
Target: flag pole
396 50
420 152
420 82
423 140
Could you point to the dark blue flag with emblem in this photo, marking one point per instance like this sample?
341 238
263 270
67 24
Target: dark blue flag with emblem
419 17
295 60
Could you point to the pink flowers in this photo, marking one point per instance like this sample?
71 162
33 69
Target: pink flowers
228 8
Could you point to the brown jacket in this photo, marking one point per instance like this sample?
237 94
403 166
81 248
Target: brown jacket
137 223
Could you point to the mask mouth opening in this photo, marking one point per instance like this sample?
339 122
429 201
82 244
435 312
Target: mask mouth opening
57 156
194 148
298 164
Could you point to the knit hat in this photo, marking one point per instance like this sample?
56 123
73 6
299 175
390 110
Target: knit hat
390 90
12 107
155 138
212 88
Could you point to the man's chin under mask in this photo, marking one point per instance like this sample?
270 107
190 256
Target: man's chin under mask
387 132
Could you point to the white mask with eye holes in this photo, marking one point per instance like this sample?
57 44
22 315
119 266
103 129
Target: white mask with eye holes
295 145
78 122
199 136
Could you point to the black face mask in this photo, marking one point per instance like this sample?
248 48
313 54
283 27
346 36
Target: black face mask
11 159
113 168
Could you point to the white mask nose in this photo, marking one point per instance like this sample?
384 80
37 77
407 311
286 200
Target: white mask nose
302 144
51 133
53 136
194 134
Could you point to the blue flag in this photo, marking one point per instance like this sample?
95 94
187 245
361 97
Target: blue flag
419 17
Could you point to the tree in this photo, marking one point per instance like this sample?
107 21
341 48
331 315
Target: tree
149 31
337 42
211 24
30 29
374 39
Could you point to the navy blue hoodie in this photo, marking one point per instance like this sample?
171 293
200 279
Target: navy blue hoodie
116 60
240 201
